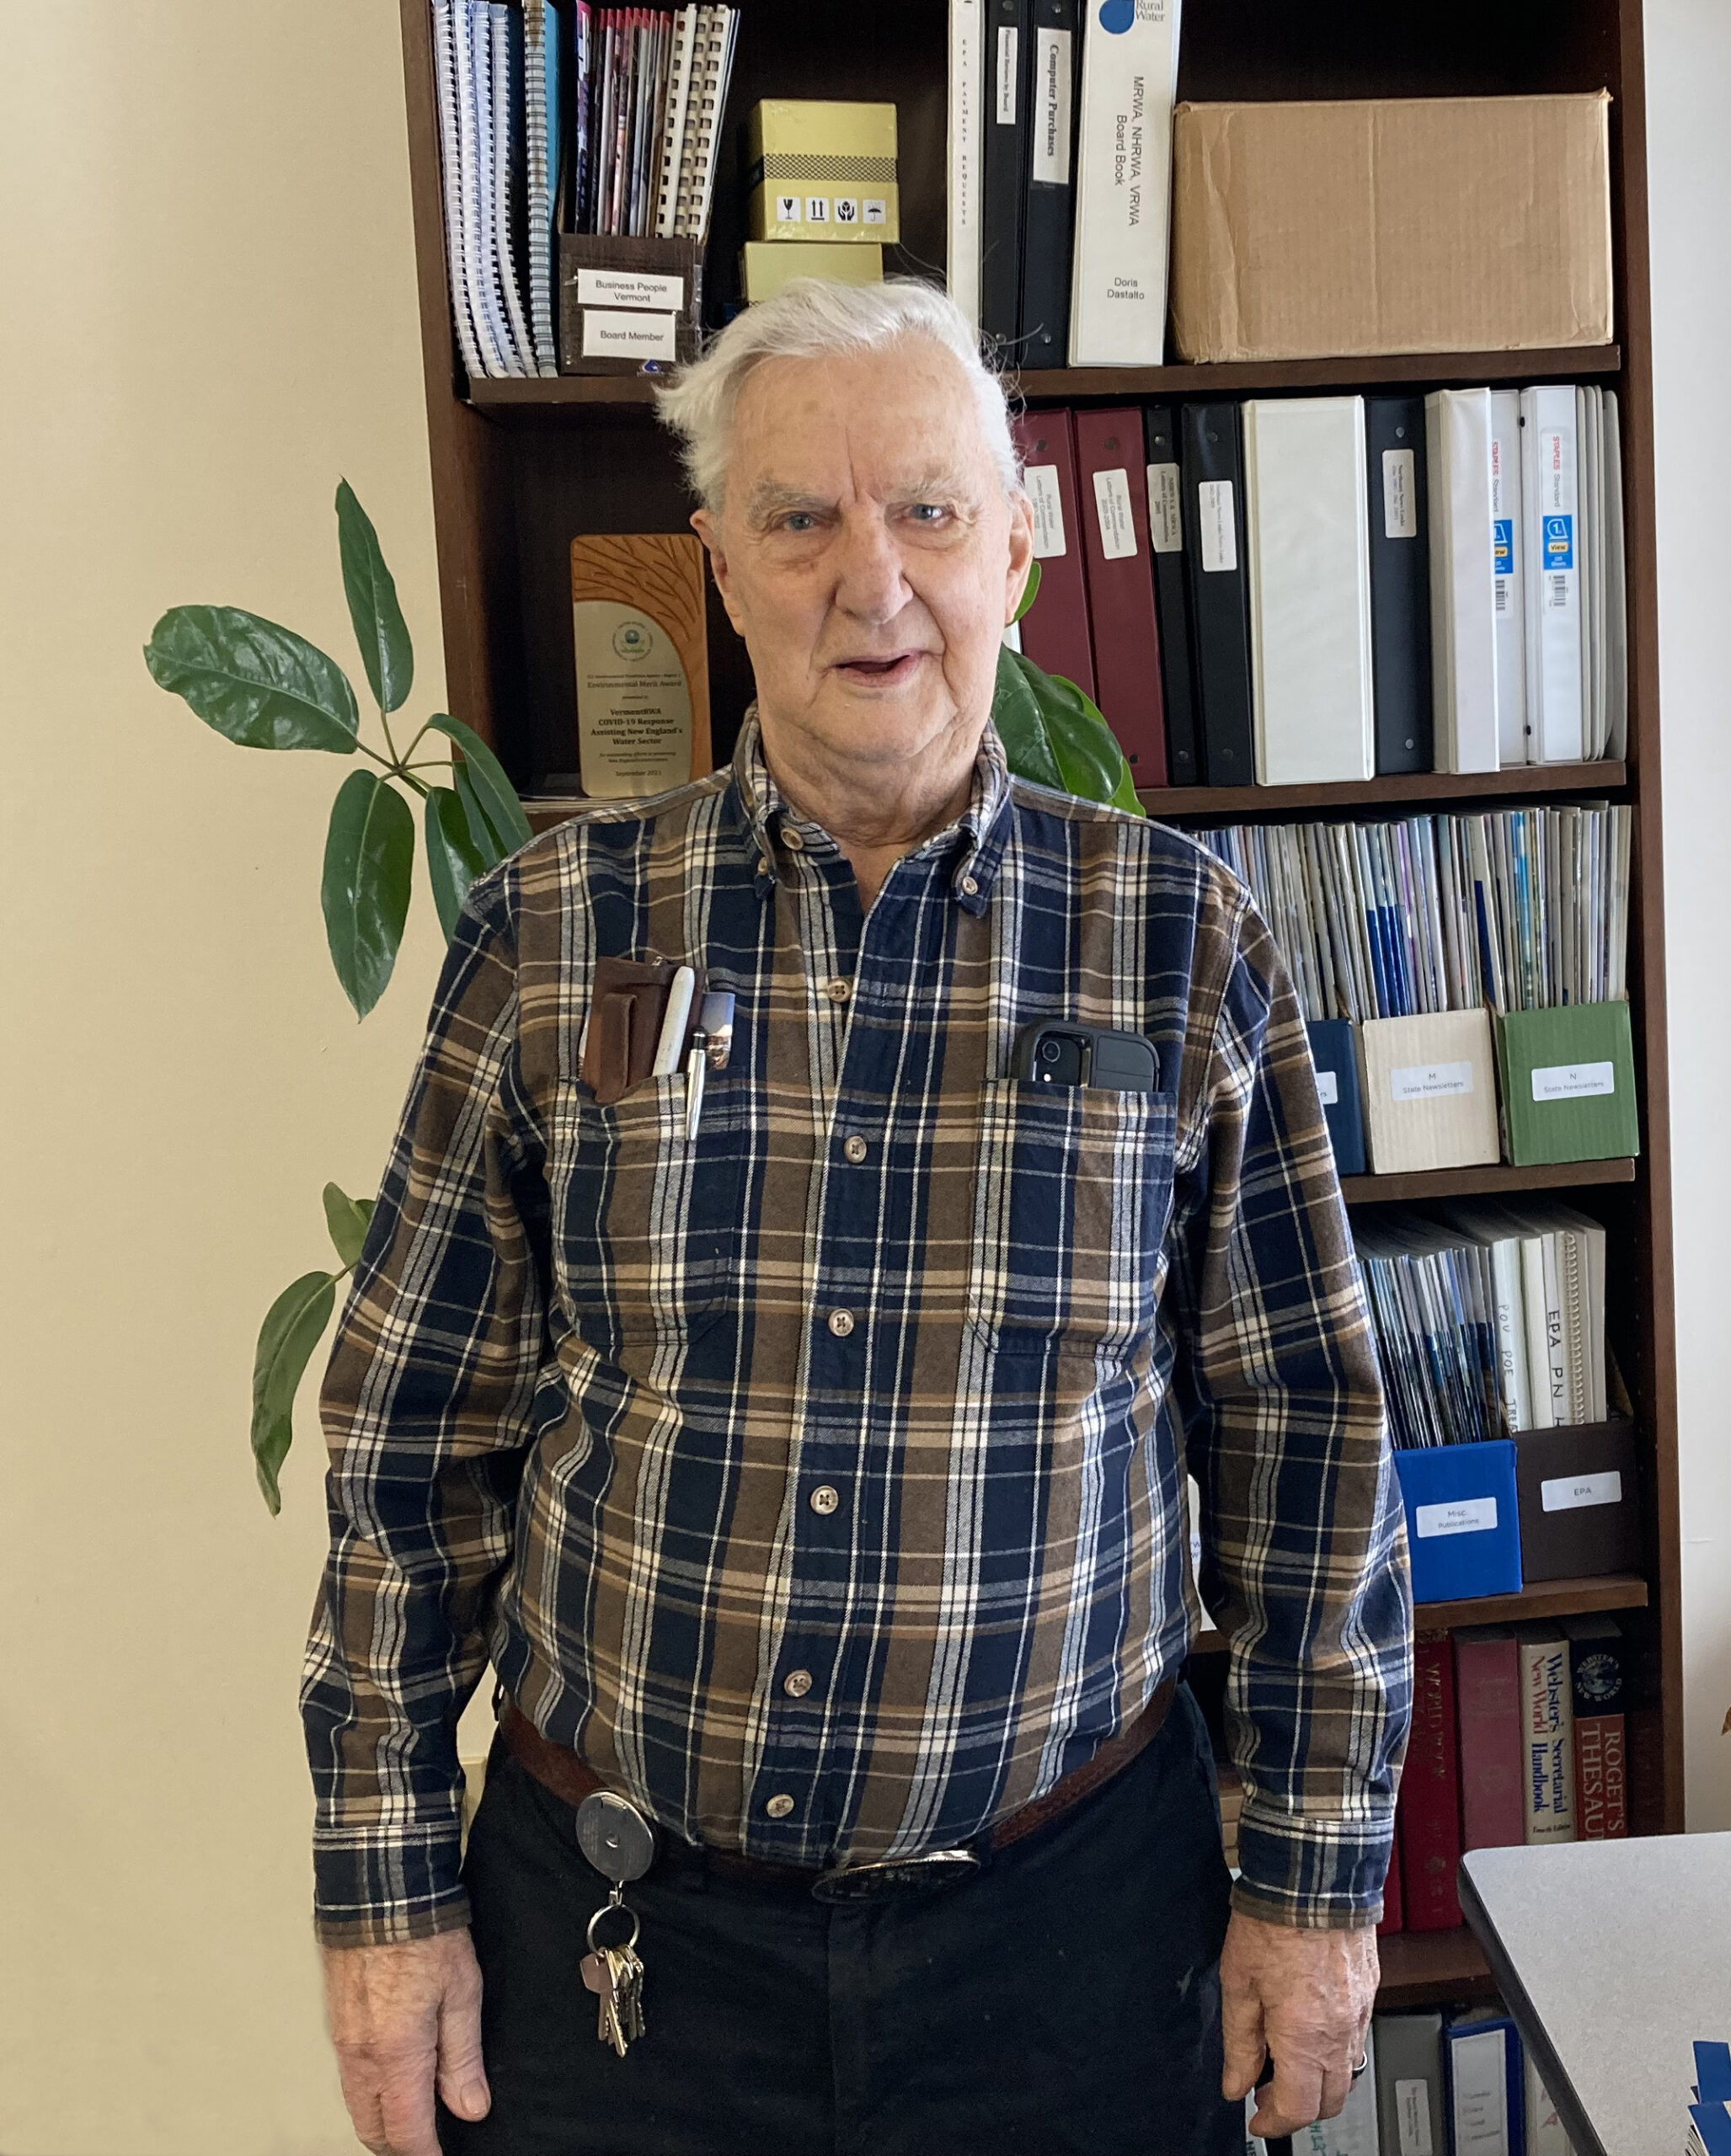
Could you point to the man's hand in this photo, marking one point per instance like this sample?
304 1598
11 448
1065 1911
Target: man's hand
1305 1996
403 2019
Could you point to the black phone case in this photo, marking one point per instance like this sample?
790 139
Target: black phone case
1113 1061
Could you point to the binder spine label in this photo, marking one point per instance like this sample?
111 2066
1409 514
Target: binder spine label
1165 524
1041 482
1570 1081
1219 536
1428 1082
1007 76
1117 525
1463 1516
1051 132
1400 494
1328 1089
1412 2108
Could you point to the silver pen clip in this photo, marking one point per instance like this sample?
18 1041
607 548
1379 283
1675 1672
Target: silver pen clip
695 1066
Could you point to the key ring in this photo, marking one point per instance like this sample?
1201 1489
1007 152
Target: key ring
614 1901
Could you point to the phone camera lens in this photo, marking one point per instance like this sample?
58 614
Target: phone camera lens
1049 1051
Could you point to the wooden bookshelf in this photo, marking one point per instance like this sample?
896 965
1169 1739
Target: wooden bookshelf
1533 1605
518 468
1426 1968
1482 1183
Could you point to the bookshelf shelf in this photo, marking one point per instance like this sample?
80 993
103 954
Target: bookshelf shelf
1571 1597
1481 1183
1186 803
1423 1968
510 400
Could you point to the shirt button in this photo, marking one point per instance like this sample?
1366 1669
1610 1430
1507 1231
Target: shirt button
838 991
970 886
841 1323
792 840
855 1148
796 1683
825 1499
779 1807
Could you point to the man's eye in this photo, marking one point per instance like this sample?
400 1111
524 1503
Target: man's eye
927 512
799 520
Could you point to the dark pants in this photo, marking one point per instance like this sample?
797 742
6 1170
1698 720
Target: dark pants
1064 1998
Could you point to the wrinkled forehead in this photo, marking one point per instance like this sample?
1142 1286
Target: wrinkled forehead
887 424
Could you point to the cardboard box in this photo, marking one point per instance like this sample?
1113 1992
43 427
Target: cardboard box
1580 1500
1390 225
1335 1054
818 170
626 303
1569 1084
1463 1519
1429 1092
767 264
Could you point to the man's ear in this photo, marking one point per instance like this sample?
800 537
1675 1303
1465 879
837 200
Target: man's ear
709 532
1021 553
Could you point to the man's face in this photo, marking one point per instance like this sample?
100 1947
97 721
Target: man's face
866 550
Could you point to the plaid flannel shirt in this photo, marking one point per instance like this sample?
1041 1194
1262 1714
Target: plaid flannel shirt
821 1482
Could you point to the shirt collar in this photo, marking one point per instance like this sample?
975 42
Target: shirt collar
972 845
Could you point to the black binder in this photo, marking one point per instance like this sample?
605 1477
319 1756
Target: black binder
1004 168
1172 602
1054 80
1211 466
1400 581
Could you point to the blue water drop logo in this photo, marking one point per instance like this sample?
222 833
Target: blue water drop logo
1117 16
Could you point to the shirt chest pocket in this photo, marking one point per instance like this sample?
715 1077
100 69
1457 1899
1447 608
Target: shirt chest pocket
648 1222
1071 1195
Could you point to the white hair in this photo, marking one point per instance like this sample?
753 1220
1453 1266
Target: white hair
810 318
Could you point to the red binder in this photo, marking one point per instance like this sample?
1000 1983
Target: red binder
1112 481
1054 629
1492 1754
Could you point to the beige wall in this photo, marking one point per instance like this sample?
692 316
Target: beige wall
206 268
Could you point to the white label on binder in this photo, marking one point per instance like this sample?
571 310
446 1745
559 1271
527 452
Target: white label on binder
1041 481
1429 1081
1462 1516
1327 1088
629 288
1118 529
1051 130
1219 536
1411 2111
1569 1492
607 335
1007 78
1479 2075
1571 1082
1166 523
1400 494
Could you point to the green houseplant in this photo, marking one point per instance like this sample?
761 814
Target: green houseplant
262 686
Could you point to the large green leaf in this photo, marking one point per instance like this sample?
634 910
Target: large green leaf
1055 736
379 629
369 860
258 684
453 859
504 826
293 1327
348 1220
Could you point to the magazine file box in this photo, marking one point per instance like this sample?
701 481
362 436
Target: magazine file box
1463 1520
627 303
1429 1092
1579 1501
1336 1058
1569 1084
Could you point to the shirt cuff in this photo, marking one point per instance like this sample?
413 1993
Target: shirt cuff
374 1887
1314 1875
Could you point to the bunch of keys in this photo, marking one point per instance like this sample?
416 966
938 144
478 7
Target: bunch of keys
620 1843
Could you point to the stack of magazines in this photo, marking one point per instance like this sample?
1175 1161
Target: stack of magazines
554 116
1520 909
1489 1319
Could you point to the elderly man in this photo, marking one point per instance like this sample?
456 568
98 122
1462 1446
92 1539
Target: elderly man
809 1456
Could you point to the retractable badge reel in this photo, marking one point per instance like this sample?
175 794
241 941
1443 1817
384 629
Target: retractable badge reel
620 1843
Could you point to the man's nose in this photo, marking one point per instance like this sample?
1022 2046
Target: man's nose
869 581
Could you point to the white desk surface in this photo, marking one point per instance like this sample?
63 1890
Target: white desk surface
1621 1953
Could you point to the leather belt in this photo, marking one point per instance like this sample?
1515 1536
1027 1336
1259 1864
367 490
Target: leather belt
558 1768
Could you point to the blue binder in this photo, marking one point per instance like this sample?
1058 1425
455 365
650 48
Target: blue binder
1336 1063
1463 1524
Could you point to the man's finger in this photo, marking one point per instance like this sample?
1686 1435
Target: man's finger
1290 2099
359 2081
406 2104
463 2073
1336 2086
1241 2041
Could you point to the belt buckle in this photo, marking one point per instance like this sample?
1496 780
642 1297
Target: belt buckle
868 1882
